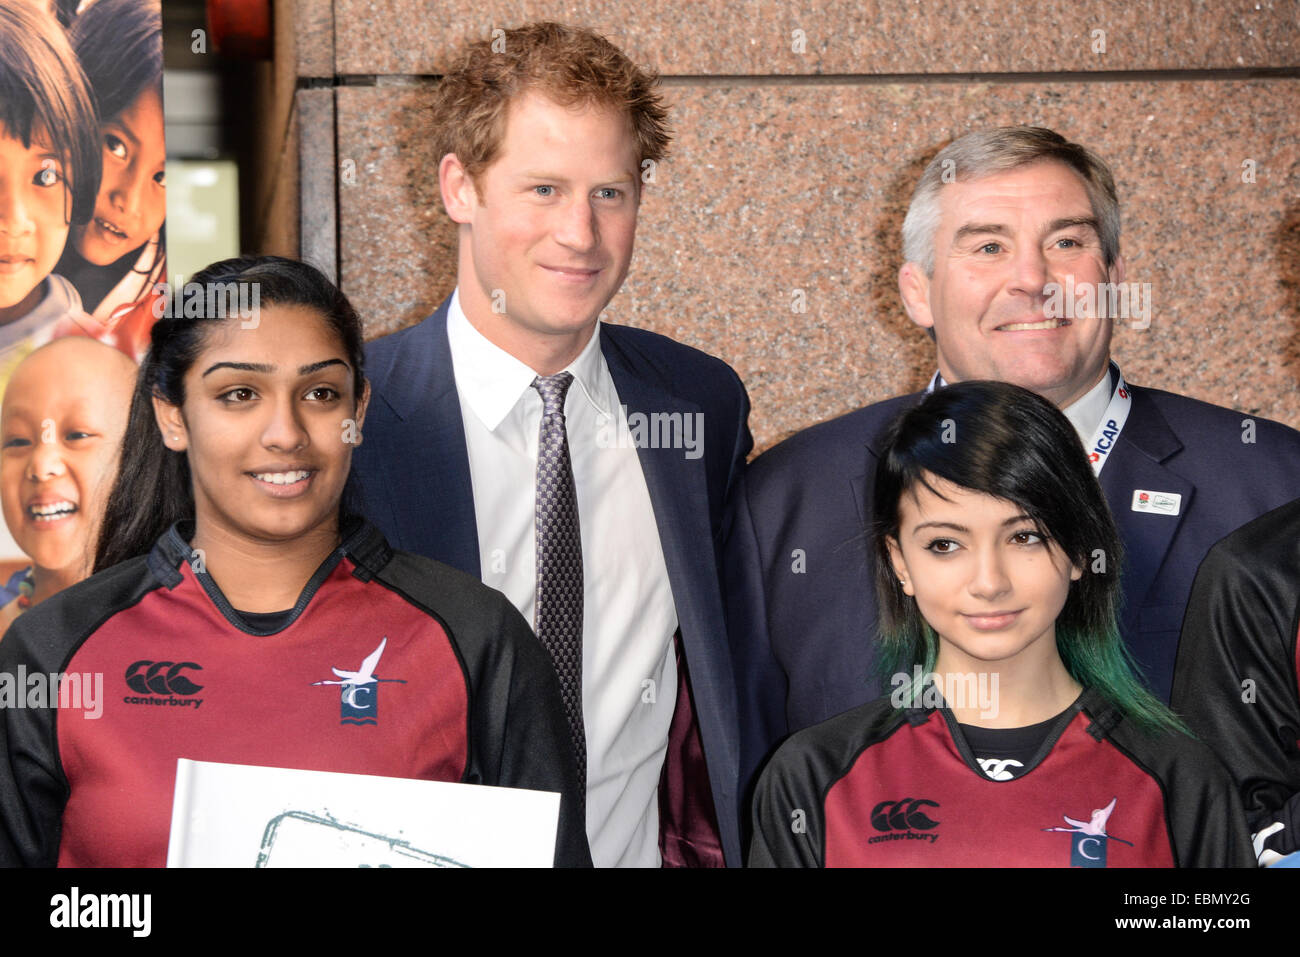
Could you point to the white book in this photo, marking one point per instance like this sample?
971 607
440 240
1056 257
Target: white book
236 815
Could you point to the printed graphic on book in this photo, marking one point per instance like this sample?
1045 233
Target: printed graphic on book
296 835
232 815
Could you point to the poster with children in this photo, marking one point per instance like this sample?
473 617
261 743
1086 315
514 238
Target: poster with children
82 207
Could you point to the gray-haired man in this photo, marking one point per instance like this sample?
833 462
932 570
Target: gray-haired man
1013 266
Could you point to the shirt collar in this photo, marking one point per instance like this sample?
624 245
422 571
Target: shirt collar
1086 412
492 381
593 378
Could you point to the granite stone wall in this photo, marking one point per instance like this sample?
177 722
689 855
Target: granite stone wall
771 237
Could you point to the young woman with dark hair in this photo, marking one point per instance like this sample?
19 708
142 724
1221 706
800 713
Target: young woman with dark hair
1017 733
225 302
234 588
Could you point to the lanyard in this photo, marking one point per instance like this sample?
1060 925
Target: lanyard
1112 422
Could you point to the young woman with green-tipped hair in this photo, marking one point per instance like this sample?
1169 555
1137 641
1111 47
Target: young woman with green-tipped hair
1017 733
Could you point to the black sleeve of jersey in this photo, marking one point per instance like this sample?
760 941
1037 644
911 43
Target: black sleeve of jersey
518 735
1203 813
537 749
790 797
788 813
1235 677
33 788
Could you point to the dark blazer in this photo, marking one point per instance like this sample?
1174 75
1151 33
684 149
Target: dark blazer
412 470
1238 668
800 592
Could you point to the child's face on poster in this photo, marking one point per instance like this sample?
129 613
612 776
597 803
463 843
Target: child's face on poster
132 200
34 204
64 415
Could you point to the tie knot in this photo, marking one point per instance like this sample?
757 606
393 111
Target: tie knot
552 389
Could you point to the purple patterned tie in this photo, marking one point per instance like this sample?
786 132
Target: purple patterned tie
559 559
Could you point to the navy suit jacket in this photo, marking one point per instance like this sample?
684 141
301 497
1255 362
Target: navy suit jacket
412 472
800 588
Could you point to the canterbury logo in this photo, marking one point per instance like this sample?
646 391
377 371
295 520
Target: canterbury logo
162 677
903 815
999 768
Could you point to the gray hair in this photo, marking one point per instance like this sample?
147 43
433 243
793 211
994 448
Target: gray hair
995 151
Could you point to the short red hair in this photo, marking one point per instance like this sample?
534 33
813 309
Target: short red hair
570 65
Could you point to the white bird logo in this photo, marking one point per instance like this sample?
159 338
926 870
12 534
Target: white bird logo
1096 826
354 681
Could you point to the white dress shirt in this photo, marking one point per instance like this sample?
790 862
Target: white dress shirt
1085 412
629 670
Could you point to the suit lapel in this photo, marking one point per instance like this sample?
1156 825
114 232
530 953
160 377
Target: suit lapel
859 485
1137 464
679 494
438 518
864 482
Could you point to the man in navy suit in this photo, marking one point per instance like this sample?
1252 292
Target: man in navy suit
1013 266
579 467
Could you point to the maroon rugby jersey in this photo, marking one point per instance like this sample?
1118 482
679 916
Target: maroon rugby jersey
463 692
880 786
